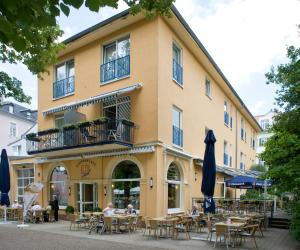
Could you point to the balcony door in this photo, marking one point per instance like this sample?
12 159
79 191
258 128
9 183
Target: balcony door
87 196
118 109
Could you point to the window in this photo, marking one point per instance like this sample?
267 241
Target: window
59 121
24 178
252 141
220 188
11 109
126 185
177 127
225 161
265 124
242 161
116 60
242 129
262 141
230 120
226 114
177 64
59 185
174 180
17 150
13 130
207 87
64 83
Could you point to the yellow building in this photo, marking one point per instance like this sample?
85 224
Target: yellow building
123 117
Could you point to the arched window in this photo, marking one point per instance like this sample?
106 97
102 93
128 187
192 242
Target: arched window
126 185
174 180
59 185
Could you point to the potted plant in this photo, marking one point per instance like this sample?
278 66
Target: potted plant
68 127
97 209
128 123
32 137
84 124
69 210
101 120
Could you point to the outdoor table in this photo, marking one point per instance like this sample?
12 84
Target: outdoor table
242 219
233 226
163 222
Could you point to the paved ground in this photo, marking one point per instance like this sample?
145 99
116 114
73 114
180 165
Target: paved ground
58 236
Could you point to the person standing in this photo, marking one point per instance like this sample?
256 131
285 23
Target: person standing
55 208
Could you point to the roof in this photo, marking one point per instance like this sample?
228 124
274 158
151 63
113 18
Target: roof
191 33
19 111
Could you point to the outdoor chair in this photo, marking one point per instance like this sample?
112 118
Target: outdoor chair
38 216
74 221
136 224
86 135
154 226
182 226
222 232
210 230
199 223
249 232
109 224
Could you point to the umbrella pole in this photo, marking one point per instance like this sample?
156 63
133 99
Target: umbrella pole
5 216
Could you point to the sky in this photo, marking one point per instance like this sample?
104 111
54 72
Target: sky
244 37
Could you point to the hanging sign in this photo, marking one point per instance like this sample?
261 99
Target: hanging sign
85 167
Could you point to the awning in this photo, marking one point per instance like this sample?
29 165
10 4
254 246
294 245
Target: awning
247 182
92 100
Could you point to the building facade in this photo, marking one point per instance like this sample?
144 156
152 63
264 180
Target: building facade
265 122
131 102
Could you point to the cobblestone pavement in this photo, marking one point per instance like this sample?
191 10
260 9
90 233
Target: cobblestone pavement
58 236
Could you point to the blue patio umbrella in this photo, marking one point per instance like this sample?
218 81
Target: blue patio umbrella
246 182
209 173
4 179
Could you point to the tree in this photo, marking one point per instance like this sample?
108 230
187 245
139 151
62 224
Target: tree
259 168
282 152
29 32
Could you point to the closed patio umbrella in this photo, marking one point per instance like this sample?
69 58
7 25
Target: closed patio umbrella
4 181
209 173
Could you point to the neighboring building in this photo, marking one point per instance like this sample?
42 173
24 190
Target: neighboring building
160 92
16 121
265 122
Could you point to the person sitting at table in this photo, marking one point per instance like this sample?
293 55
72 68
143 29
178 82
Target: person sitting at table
109 210
195 210
16 205
130 210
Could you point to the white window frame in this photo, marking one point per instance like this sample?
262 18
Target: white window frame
11 109
19 178
13 131
226 151
208 87
180 123
180 183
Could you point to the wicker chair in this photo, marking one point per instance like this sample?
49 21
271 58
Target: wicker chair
210 230
74 221
184 227
222 231
244 234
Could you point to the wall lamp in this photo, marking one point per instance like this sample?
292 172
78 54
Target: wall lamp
196 176
105 191
151 182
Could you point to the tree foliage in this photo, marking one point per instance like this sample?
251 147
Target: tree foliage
29 32
259 168
282 153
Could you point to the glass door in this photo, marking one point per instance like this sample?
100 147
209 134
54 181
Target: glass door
87 197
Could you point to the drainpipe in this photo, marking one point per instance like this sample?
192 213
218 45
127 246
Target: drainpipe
236 139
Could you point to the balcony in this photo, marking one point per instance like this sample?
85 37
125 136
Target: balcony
115 133
177 136
63 87
177 72
115 69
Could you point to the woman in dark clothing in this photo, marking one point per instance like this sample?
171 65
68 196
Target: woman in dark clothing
55 208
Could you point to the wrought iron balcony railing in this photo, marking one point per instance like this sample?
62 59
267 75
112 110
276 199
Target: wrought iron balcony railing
81 135
63 87
115 69
177 72
177 136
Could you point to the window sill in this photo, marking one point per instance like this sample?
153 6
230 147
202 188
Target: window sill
114 80
177 147
179 84
175 210
208 96
57 98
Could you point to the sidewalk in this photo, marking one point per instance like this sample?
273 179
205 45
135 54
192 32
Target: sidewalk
275 239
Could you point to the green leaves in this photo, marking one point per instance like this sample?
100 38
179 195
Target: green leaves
65 9
282 153
12 87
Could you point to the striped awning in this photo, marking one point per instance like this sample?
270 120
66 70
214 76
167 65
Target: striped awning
92 100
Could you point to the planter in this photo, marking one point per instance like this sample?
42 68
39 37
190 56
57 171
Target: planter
103 120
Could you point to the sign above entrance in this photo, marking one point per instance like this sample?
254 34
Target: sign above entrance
85 167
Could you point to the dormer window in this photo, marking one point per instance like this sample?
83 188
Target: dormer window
11 109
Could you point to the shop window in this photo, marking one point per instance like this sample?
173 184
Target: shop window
59 185
126 185
174 180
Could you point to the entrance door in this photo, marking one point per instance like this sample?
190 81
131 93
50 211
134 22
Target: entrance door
87 197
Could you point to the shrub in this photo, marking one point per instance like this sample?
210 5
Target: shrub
69 210
97 209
